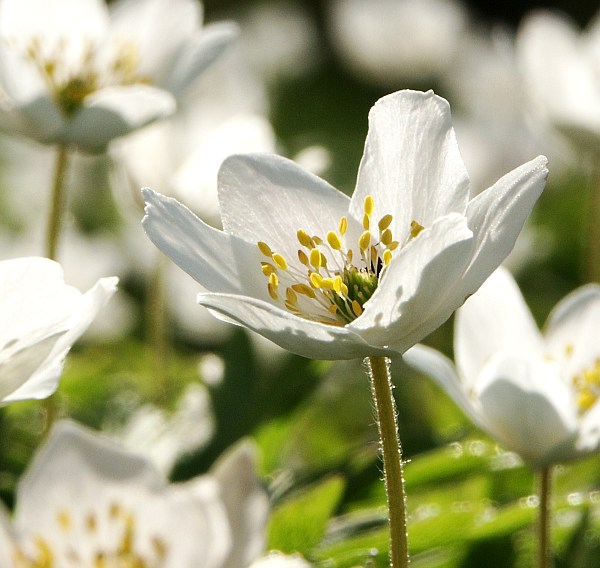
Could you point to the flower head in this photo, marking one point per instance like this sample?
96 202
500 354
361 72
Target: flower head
560 65
330 277
88 503
536 393
78 73
41 319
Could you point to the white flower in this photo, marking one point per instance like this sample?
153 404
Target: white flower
76 72
329 277
278 560
536 393
41 319
164 437
86 502
390 41
560 68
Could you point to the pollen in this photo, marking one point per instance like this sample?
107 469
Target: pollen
70 83
128 548
587 386
334 276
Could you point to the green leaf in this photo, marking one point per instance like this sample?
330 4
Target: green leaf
299 523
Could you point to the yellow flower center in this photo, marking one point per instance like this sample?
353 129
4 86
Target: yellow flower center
122 554
332 285
587 387
70 87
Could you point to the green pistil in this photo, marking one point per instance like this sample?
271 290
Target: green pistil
361 285
70 97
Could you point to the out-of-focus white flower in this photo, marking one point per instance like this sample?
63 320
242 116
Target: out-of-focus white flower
85 502
41 319
80 73
327 277
560 67
397 40
278 39
163 437
495 127
537 394
224 114
278 560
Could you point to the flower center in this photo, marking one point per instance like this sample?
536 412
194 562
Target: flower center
334 280
587 387
122 552
71 85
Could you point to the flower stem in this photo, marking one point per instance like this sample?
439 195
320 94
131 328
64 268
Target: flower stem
57 203
385 406
543 523
158 326
52 237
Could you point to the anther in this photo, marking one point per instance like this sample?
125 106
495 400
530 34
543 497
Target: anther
265 249
415 228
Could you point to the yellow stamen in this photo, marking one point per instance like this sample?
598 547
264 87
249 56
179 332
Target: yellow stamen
291 296
385 222
343 226
265 249
304 289
356 308
366 222
386 237
302 257
315 258
305 239
316 279
586 399
387 257
334 241
369 205
280 261
365 241
267 269
415 228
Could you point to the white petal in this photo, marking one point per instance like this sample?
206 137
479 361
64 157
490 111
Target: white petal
66 27
300 336
217 260
246 502
268 198
589 431
70 466
573 330
83 474
494 319
21 367
496 217
44 381
411 163
141 22
278 560
416 294
560 73
527 407
40 119
113 112
8 540
441 369
199 54
42 318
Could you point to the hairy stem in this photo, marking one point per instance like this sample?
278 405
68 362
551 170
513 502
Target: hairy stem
54 226
158 334
385 406
543 523
57 203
